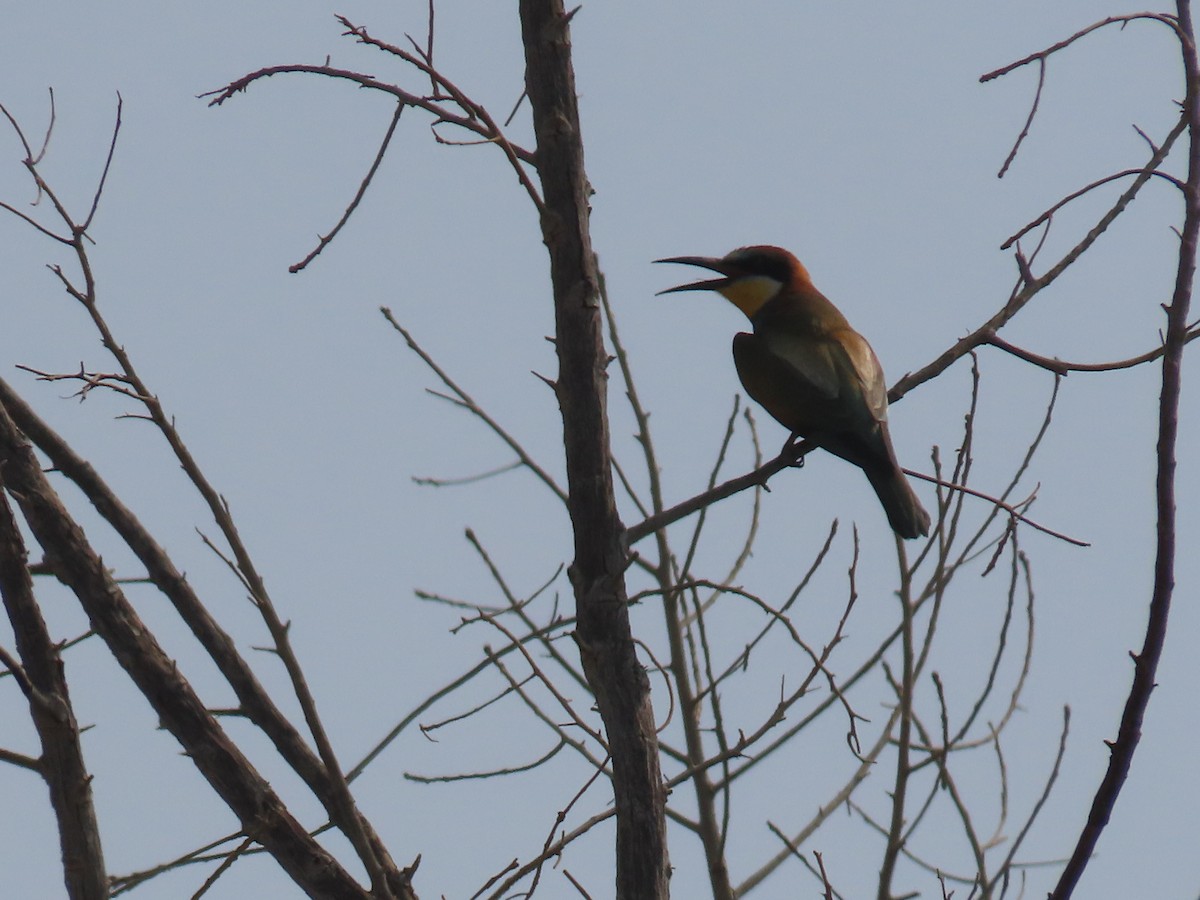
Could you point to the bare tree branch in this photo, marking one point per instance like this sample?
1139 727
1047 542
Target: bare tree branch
61 764
1146 661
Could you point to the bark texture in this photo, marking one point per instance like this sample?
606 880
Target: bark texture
605 642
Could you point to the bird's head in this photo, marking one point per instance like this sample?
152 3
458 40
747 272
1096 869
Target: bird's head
750 276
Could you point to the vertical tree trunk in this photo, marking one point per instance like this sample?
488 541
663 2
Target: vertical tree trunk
606 646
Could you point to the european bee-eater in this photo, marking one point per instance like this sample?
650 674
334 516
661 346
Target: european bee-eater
810 370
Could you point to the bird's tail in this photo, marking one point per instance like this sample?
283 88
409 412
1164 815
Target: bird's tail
904 511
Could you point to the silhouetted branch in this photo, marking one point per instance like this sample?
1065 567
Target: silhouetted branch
1146 661
325 239
42 678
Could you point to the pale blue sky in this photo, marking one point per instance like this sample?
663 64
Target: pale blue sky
861 140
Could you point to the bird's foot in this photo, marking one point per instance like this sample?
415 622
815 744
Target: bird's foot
789 448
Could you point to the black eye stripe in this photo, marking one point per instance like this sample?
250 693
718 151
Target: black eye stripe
761 264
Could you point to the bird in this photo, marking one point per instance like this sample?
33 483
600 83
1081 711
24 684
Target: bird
810 370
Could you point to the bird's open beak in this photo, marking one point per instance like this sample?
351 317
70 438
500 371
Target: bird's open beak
705 262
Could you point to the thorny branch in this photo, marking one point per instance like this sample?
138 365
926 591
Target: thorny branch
1146 661
447 96
324 776
694 668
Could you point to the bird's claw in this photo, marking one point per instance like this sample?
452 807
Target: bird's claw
794 440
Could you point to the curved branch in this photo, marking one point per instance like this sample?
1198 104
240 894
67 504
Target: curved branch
429 104
1060 367
1146 662
1029 286
325 239
491 132
1125 173
1037 99
1170 21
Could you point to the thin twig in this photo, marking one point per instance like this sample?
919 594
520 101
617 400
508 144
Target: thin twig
468 403
1037 98
325 239
112 148
1061 367
1169 21
1046 216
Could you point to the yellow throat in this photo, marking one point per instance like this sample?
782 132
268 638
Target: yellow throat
751 293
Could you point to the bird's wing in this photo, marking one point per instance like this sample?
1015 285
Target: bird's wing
828 389
841 368
811 361
864 366
800 382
